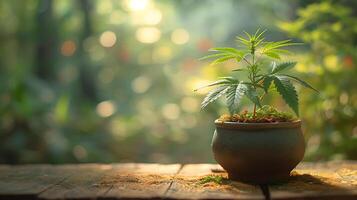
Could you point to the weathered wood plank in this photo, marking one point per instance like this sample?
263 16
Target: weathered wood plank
186 185
82 184
26 181
144 181
328 180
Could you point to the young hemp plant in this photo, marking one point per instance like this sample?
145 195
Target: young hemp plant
252 51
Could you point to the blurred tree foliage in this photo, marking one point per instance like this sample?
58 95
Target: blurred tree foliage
112 81
330 29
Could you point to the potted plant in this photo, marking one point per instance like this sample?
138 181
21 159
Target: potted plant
263 145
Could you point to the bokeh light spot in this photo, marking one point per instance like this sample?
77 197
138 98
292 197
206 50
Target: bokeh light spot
141 84
68 48
204 44
180 36
80 152
190 104
148 34
162 54
171 111
106 108
108 39
344 98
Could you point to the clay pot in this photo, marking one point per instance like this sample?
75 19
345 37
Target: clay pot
258 153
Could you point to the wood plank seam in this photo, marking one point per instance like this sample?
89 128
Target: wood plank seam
53 185
106 192
172 180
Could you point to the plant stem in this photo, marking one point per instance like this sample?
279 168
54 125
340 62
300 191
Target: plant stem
253 77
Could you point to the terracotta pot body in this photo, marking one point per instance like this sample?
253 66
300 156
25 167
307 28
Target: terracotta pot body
258 152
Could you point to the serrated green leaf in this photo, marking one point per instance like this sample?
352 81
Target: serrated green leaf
238 70
214 56
223 59
226 49
281 51
258 37
239 93
219 82
233 97
267 82
272 49
288 92
303 83
282 66
225 53
214 95
274 45
252 94
243 41
230 79
272 55
230 99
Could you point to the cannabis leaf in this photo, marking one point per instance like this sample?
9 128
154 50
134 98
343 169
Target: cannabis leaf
273 49
214 95
288 92
234 95
222 81
224 54
267 82
282 66
301 82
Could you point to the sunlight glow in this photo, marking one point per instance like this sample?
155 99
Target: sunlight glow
148 34
147 17
136 5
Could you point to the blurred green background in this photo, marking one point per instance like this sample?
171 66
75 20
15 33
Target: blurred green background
112 81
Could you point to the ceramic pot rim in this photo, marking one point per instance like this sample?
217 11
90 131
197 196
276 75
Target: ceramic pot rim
254 126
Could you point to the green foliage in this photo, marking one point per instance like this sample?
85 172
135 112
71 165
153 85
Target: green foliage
253 49
211 178
330 29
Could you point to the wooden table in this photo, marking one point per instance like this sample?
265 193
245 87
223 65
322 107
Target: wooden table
328 180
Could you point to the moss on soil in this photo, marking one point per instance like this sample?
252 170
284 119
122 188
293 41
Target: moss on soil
265 114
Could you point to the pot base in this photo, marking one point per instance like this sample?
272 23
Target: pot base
260 179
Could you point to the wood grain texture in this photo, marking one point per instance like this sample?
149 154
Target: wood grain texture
187 185
82 184
144 181
325 180
26 181
328 180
